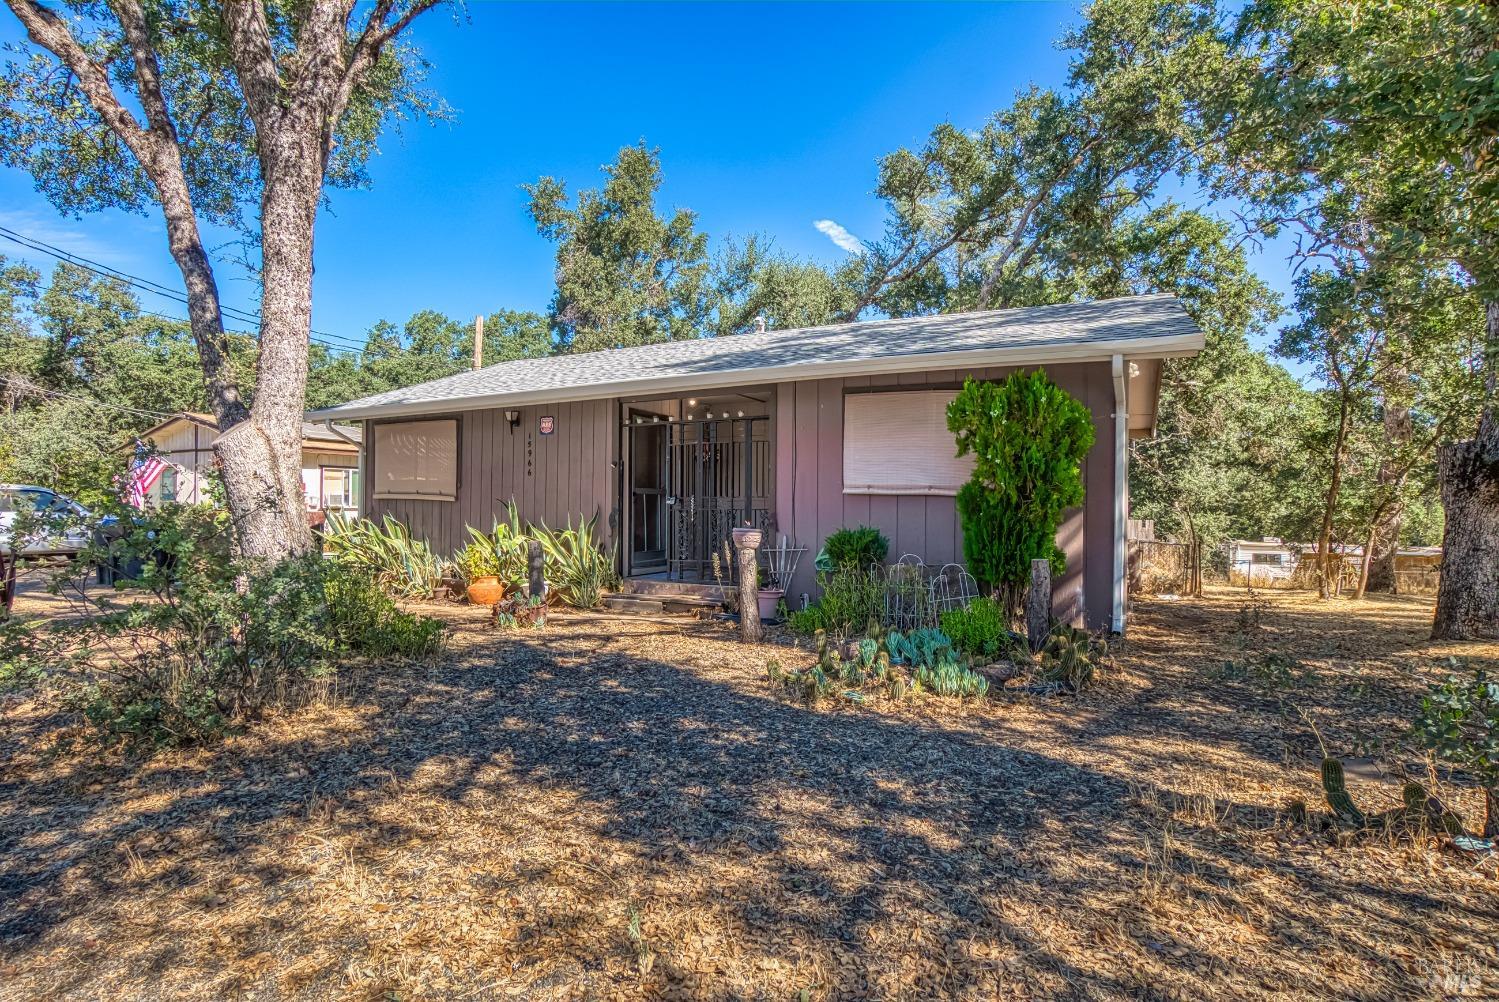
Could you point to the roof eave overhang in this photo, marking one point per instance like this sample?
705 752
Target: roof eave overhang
1169 346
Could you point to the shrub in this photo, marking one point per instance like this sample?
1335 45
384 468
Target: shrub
982 628
404 566
477 560
861 547
1459 721
1028 438
851 597
806 621
223 640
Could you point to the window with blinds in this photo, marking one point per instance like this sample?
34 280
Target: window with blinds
417 459
898 443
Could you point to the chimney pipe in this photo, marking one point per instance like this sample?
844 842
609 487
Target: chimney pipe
479 341
760 324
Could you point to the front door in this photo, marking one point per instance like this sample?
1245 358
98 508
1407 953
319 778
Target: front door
649 476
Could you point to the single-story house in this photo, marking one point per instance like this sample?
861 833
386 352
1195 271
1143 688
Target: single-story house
330 461
1268 560
799 431
1272 561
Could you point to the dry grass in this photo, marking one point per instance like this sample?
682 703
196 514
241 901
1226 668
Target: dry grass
618 809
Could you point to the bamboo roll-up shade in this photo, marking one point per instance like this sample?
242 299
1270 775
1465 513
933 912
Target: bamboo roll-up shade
898 443
417 459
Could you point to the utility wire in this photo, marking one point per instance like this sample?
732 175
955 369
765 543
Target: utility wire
155 288
27 387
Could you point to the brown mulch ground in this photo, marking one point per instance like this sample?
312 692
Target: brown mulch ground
622 809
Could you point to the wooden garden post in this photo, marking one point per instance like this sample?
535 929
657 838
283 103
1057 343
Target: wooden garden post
1038 605
536 583
746 543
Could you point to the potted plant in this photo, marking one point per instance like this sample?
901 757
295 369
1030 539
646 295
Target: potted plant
480 567
769 595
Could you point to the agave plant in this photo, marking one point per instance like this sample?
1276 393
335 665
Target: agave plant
500 552
401 564
577 567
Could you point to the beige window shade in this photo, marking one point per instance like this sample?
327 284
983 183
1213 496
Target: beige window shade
417 459
898 443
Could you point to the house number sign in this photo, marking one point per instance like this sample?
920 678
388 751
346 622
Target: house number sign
548 424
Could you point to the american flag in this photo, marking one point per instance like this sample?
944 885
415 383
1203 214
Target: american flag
144 473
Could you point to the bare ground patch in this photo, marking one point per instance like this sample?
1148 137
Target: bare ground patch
622 809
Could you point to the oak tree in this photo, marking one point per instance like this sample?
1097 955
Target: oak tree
230 112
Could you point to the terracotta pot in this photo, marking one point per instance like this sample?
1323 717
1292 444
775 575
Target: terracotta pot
770 600
485 590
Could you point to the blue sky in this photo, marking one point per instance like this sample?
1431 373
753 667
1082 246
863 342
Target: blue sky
769 118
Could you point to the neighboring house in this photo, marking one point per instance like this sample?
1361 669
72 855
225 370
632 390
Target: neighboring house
1271 561
799 431
330 462
1263 561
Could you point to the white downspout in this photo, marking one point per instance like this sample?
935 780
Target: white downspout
1121 488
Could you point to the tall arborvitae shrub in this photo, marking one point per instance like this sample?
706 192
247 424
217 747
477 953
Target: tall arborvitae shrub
1028 437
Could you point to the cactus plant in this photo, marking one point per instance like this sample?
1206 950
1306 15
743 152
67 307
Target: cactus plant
1336 790
1072 657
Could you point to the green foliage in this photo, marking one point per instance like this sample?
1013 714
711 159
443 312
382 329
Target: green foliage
577 567
981 628
926 646
861 547
476 560
49 130
218 642
851 597
1459 722
627 275
948 678
428 346
500 553
1028 438
404 566
806 621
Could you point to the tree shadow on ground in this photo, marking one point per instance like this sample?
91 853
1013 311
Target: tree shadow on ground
820 832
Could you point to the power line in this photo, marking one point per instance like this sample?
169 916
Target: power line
28 387
156 288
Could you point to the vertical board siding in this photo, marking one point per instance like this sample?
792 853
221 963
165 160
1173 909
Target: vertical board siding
572 476
811 504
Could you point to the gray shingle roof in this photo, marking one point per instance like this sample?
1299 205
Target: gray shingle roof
1142 326
318 433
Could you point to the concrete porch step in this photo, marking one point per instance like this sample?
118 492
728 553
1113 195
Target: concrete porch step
654 604
660 587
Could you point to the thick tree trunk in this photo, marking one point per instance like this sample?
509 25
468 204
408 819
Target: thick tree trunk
262 457
1468 597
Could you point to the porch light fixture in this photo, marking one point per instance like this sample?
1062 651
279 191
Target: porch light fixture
691 401
513 417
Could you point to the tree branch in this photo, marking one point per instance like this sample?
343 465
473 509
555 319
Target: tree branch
254 61
50 32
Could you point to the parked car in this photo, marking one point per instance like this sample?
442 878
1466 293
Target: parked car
67 525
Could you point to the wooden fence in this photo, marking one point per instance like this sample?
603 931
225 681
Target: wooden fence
1161 568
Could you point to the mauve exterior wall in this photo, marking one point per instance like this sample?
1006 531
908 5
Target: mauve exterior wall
567 474
810 502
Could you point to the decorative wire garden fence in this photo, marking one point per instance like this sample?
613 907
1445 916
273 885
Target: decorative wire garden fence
917 595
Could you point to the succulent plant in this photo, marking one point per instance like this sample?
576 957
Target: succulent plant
1335 788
